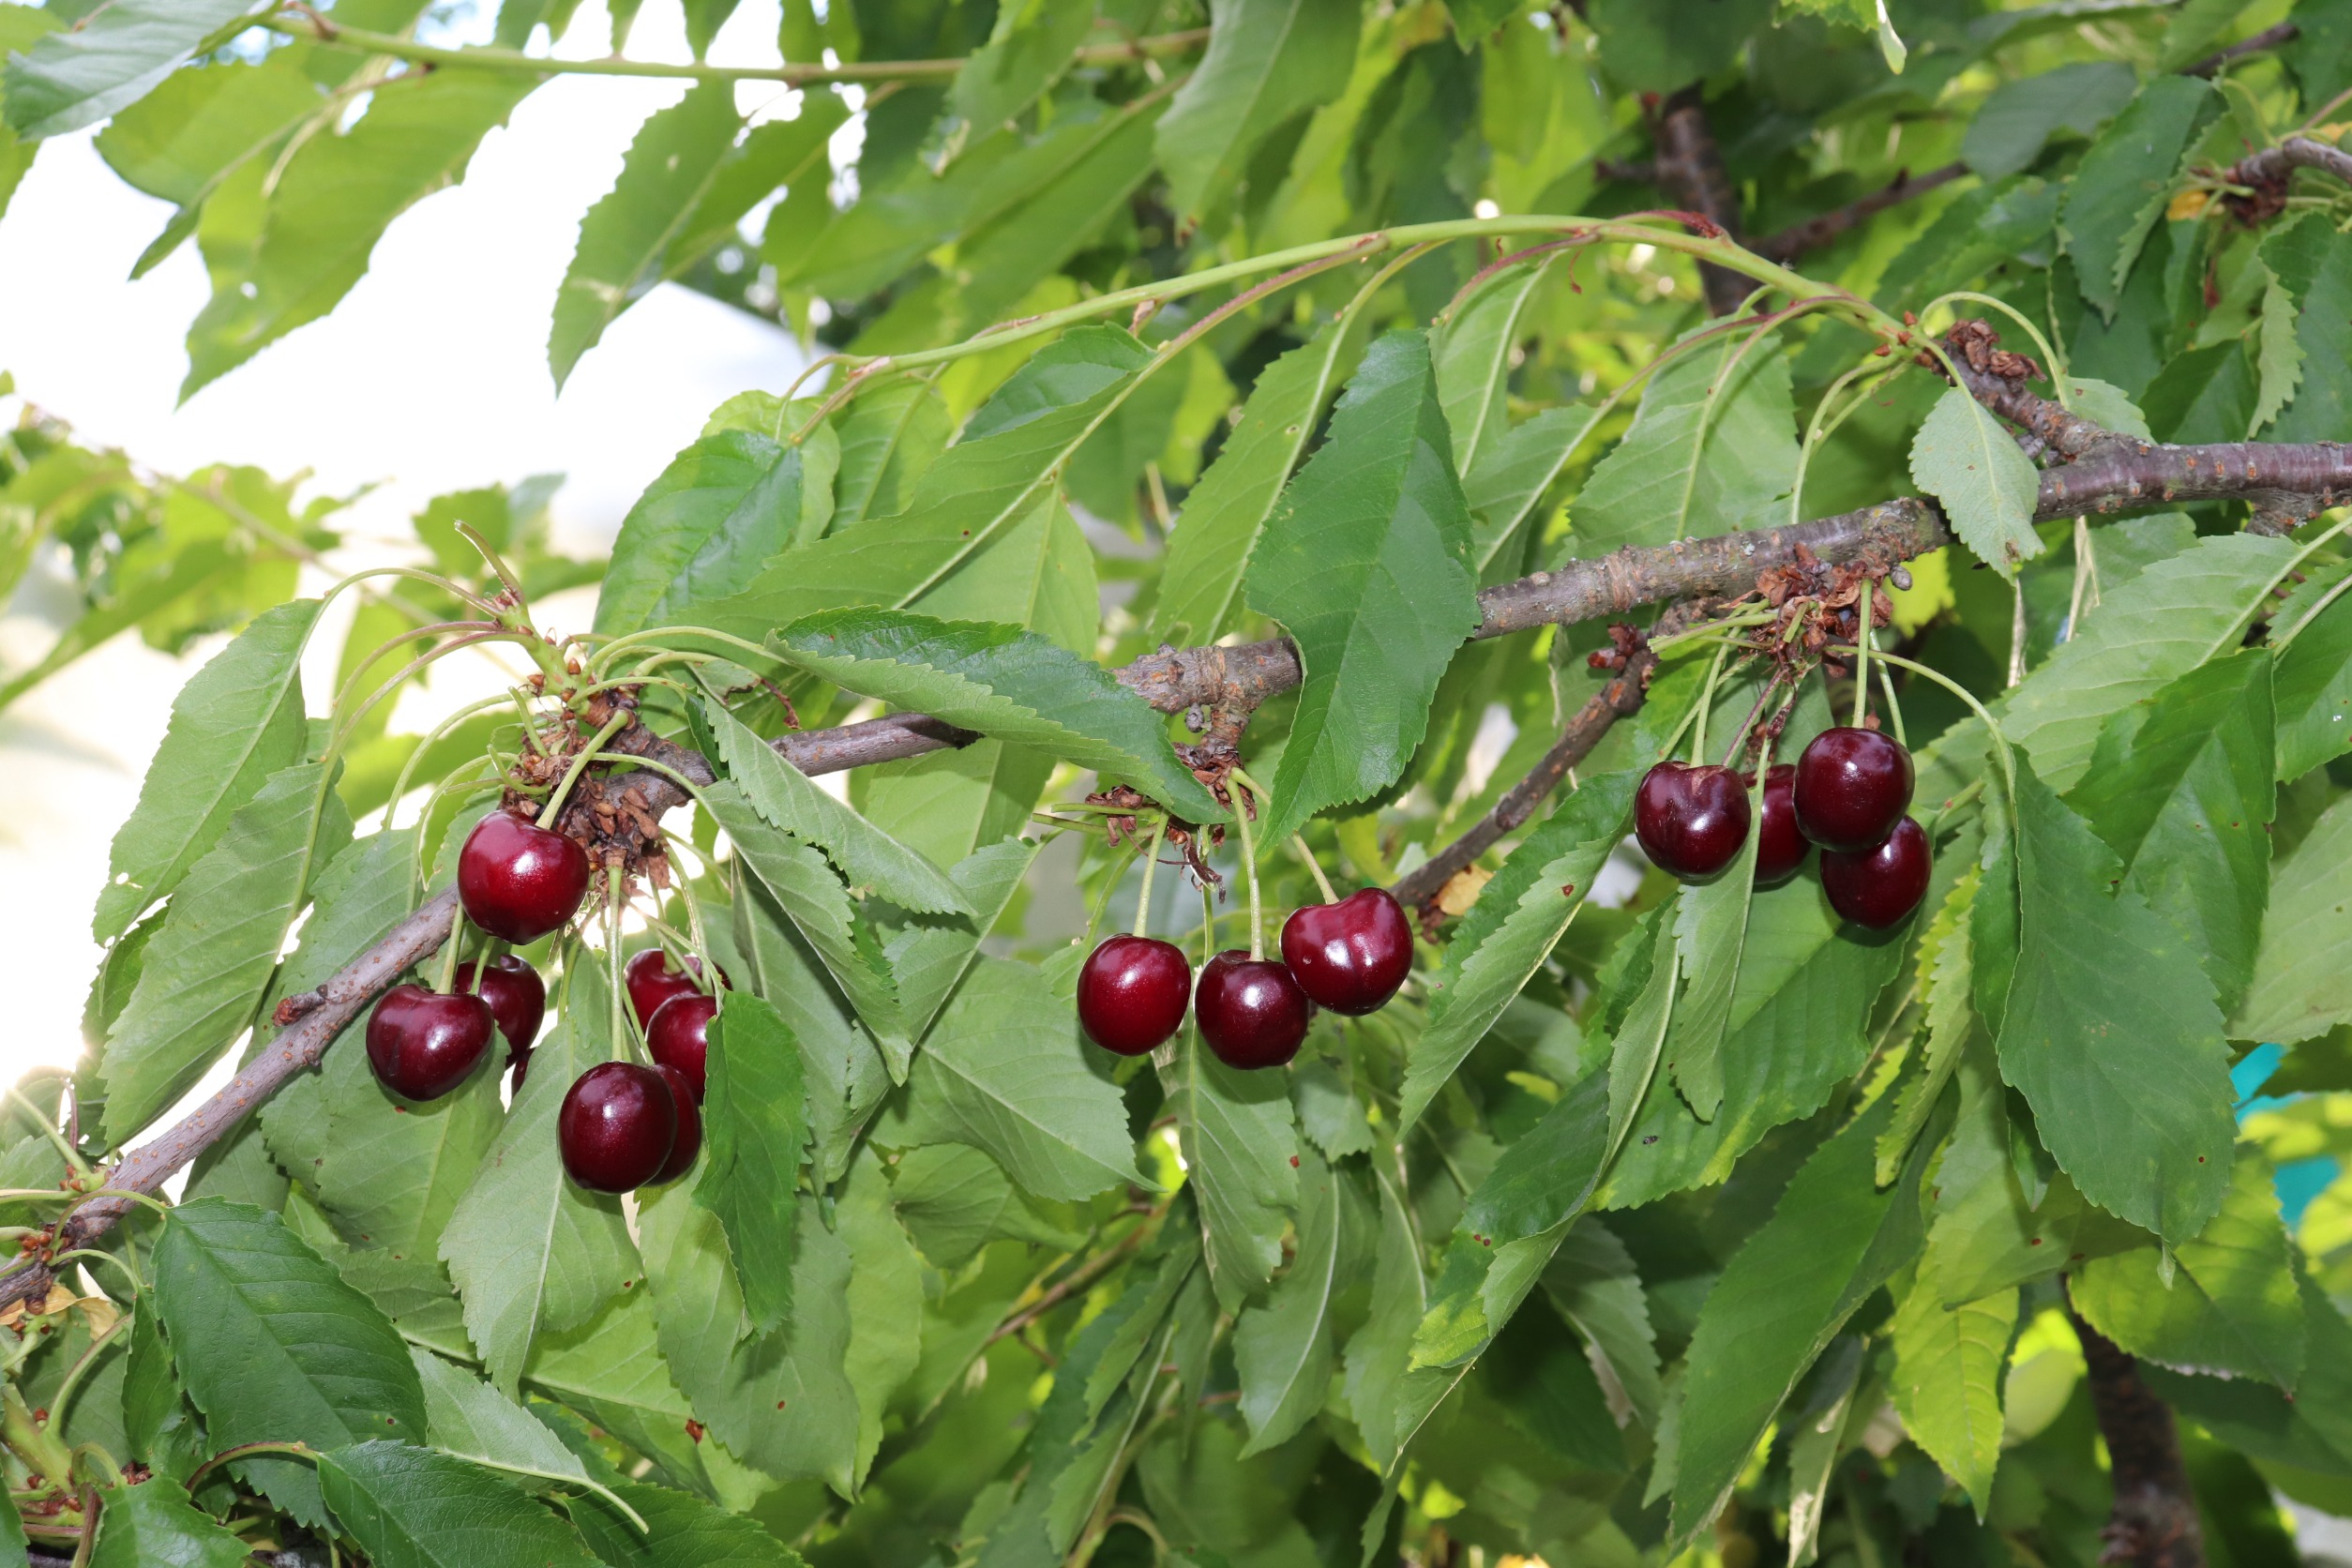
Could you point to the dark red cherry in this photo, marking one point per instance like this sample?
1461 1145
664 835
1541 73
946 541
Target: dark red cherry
422 1044
1351 955
1131 994
520 880
1879 887
517 998
616 1126
1251 1010
1853 785
680 1038
1690 819
688 1143
651 980
1780 847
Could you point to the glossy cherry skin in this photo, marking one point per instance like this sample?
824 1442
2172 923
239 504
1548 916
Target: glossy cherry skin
520 880
517 998
1780 844
1132 993
1879 887
616 1126
653 981
688 1142
1351 955
1691 820
1251 1010
423 1044
680 1038
1853 785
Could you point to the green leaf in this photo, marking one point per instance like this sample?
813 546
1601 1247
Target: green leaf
1200 582
930 956
1546 1178
1517 468
154 1525
2307 259
1948 976
2111 1032
842 1062
889 437
2311 687
808 891
611 1371
1008 462
723 509
2303 973
1028 50
624 236
755 1123
412 1508
1713 446
1385 1394
1268 60
1003 682
1004 1072
1283 1351
467 1419
110 59
1948 1366
2180 789
1241 1152
681 1531
530 1250
2163 623
391 1171
740 1384
160 1427
1593 1283
1711 927
1966 460
2311 1430
334 199
2230 1309
863 852
1832 1239
239 720
885 1299
273 1347
1473 351
2010 129
2119 190
208 965
953 1200
1366 564
2280 356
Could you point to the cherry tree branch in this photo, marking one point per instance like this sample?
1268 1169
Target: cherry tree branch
2271 166
1689 170
1814 233
2153 1523
2269 38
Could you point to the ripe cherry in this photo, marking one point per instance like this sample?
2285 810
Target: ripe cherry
520 880
1131 994
1879 887
680 1038
1252 1012
1690 819
652 981
1853 785
688 1143
616 1126
423 1044
1351 955
517 998
1780 847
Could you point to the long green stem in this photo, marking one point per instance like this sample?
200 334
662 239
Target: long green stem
1861 663
1242 809
1151 864
619 1019
246 1450
1707 701
334 35
579 764
2009 768
1323 883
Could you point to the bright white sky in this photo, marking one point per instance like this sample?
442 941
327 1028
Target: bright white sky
430 376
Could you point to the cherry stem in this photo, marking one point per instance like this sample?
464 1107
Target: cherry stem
1298 843
1151 864
580 765
621 1035
1250 862
1747 725
47 1122
1706 702
2009 769
242 1450
399 784
1894 709
1861 663
449 950
708 978
499 568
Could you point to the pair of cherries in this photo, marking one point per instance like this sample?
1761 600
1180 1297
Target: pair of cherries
1349 957
623 1125
1849 792
517 881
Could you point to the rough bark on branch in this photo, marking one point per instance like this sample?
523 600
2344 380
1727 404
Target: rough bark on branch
1814 233
2153 1523
1691 171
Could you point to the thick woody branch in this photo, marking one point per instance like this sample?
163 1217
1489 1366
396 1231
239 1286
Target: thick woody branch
2269 168
1815 233
2153 1523
1689 170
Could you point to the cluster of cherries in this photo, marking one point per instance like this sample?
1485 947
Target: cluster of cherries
622 1124
1350 957
1849 792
